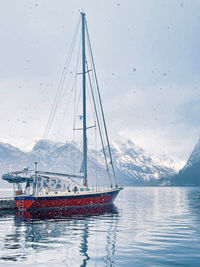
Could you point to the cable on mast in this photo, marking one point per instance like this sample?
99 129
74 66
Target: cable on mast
61 84
100 132
101 106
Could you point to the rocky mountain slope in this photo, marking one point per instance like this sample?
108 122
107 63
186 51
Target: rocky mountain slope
133 165
189 175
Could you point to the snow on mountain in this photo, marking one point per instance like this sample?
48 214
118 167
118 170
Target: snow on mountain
67 158
47 145
10 157
137 164
133 165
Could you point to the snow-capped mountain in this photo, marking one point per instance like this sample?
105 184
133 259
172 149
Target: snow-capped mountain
133 165
137 165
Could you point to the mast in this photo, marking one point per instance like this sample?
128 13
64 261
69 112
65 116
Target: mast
85 182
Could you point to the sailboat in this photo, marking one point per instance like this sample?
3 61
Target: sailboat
36 189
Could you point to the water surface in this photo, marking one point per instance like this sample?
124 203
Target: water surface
146 227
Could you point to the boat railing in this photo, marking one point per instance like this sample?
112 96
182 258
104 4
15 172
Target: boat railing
65 191
70 191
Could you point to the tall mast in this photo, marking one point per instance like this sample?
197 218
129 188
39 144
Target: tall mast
84 103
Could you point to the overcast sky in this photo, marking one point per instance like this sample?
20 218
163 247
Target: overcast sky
148 62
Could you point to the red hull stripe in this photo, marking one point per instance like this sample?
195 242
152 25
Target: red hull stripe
66 201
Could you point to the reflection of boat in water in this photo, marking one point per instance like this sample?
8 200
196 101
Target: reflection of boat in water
43 214
44 189
73 235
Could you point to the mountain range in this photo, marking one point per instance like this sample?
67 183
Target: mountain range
133 166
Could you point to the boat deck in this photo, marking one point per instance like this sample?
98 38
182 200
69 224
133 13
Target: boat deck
46 193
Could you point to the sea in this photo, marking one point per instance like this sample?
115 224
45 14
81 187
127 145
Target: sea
154 226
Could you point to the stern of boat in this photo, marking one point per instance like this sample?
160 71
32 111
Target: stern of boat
23 203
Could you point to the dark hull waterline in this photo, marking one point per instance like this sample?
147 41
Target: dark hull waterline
66 212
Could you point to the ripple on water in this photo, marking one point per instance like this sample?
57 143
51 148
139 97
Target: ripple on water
147 227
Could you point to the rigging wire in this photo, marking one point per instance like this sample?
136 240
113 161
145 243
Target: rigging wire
102 112
77 102
96 155
61 83
63 117
71 91
90 98
75 94
99 127
76 75
59 96
77 108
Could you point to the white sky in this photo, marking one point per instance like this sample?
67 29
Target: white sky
147 58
